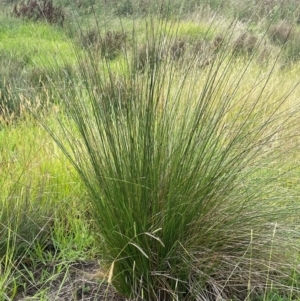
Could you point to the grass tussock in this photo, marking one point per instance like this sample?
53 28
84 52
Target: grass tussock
184 170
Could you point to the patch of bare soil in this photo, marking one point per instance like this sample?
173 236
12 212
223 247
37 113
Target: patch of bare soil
79 282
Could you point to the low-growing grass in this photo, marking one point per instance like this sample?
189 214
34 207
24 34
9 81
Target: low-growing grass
43 213
22 39
32 57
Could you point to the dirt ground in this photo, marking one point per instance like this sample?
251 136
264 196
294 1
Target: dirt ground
79 283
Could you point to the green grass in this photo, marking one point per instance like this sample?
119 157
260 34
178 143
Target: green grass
41 205
32 56
195 31
21 40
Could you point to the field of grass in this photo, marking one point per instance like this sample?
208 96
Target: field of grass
150 151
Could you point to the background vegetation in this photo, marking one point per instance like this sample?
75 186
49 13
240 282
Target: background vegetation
158 140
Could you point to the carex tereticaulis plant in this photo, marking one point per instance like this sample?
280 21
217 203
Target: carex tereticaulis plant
182 160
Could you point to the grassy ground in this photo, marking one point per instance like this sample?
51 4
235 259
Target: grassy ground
221 139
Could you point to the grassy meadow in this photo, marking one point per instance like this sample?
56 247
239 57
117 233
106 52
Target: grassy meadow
149 150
